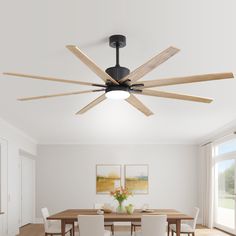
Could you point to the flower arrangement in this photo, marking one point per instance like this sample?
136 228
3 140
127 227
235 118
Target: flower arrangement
121 194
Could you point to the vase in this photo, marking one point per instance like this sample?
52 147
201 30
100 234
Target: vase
120 208
129 209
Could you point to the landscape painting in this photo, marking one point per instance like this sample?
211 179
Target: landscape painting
108 178
136 178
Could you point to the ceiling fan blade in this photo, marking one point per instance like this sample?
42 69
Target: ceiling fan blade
58 95
92 104
173 95
88 62
138 105
150 65
183 80
53 79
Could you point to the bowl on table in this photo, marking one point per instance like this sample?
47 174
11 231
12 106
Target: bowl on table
107 210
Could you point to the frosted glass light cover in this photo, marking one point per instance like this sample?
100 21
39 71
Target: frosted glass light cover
117 94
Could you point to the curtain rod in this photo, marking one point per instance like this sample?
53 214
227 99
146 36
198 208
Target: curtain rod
234 133
206 144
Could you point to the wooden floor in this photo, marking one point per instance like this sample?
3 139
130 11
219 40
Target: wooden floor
38 230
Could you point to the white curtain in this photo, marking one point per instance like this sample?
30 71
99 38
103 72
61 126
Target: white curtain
206 185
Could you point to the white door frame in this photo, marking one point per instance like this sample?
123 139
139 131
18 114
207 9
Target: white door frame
23 154
4 183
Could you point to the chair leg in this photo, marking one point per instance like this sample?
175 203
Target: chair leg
73 228
131 229
193 233
172 232
168 230
112 229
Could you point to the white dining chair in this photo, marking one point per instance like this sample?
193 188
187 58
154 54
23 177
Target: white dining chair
100 206
134 224
188 226
153 225
92 225
53 227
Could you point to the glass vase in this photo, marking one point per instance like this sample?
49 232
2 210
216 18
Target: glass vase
120 208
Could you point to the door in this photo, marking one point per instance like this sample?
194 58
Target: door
3 186
225 187
27 190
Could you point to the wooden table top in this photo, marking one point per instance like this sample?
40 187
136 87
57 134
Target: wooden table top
72 214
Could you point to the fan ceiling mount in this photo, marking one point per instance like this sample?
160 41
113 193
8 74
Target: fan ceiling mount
120 83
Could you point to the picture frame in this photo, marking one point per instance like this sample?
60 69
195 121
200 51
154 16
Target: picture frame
108 178
137 178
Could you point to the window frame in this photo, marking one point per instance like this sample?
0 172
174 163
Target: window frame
216 159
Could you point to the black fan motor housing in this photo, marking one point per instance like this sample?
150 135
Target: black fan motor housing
117 72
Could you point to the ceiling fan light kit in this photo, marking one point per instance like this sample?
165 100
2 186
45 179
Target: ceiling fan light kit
117 92
120 83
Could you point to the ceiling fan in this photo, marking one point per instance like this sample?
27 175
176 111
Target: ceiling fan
119 83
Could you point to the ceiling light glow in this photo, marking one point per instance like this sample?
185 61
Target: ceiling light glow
117 94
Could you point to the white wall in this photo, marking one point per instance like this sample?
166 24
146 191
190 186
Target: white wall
15 140
65 175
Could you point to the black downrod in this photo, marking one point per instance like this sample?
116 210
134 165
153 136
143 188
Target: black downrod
117 72
117 54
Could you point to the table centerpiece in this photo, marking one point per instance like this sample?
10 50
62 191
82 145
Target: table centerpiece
121 194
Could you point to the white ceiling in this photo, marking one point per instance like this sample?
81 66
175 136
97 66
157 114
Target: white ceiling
33 38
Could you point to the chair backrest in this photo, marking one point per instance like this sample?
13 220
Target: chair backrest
195 216
45 214
153 225
145 206
91 225
98 206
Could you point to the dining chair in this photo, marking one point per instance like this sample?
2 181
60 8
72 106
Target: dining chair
188 226
153 225
92 225
53 227
138 224
100 206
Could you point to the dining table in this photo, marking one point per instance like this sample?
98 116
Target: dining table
71 215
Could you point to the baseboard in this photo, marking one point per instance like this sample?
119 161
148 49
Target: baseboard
38 221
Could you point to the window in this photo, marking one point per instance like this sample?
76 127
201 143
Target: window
226 147
225 185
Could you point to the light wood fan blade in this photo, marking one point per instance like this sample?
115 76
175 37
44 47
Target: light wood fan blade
184 80
53 79
59 95
88 62
150 65
92 104
138 105
173 95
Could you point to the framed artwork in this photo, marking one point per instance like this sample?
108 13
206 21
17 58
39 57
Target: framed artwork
136 178
108 178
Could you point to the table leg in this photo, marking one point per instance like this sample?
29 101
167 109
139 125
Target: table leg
63 226
178 227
